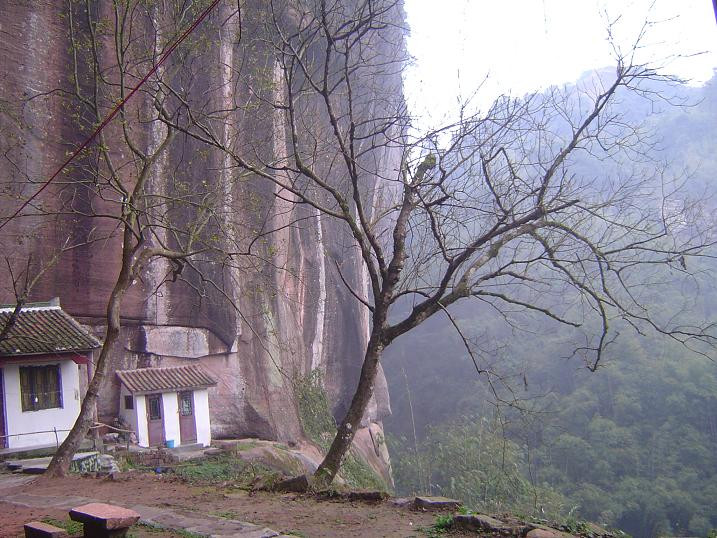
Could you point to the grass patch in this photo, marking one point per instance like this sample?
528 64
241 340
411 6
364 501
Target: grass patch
143 528
246 445
358 474
442 525
125 463
211 470
72 527
225 469
226 514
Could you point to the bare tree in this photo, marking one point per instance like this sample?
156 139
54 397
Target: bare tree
498 206
22 285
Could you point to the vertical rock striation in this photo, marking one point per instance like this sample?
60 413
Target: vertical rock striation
256 324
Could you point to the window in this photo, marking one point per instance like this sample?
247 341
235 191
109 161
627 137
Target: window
40 387
185 403
128 402
155 407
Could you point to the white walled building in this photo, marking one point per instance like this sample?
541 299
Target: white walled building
166 406
40 358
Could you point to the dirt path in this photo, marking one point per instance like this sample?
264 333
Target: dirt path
289 513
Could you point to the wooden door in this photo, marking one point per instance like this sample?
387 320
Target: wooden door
155 421
187 420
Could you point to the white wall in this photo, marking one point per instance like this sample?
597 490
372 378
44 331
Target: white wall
129 416
140 406
137 417
170 407
201 415
19 421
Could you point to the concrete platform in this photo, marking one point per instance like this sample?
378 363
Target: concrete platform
39 465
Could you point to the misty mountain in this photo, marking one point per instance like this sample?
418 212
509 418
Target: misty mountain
633 445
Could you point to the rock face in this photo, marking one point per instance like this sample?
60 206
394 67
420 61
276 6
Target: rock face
255 324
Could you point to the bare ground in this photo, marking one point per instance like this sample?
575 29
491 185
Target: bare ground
303 515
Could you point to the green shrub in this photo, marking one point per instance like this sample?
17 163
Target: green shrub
443 522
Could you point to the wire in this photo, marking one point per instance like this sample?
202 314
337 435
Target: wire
114 112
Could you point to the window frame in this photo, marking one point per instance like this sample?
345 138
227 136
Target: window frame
35 385
186 396
150 411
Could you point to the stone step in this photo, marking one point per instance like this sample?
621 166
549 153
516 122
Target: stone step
194 447
39 529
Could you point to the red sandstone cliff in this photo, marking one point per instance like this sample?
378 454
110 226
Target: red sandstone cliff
256 322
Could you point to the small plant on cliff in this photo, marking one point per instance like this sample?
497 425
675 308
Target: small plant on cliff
319 425
314 408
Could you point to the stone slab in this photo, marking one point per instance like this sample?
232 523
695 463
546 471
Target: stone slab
204 524
436 503
106 516
40 529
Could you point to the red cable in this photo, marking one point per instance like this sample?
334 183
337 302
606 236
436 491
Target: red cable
114 112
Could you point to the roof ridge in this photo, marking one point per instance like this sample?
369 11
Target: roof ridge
165 378
160 367
44 329
30 306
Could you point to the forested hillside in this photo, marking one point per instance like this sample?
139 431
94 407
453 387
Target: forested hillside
632 445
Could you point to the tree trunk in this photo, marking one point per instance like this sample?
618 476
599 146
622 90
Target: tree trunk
60 463
329 467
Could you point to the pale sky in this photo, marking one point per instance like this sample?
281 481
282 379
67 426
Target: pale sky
525 45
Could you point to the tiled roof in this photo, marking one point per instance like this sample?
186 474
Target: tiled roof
41 329
173 378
